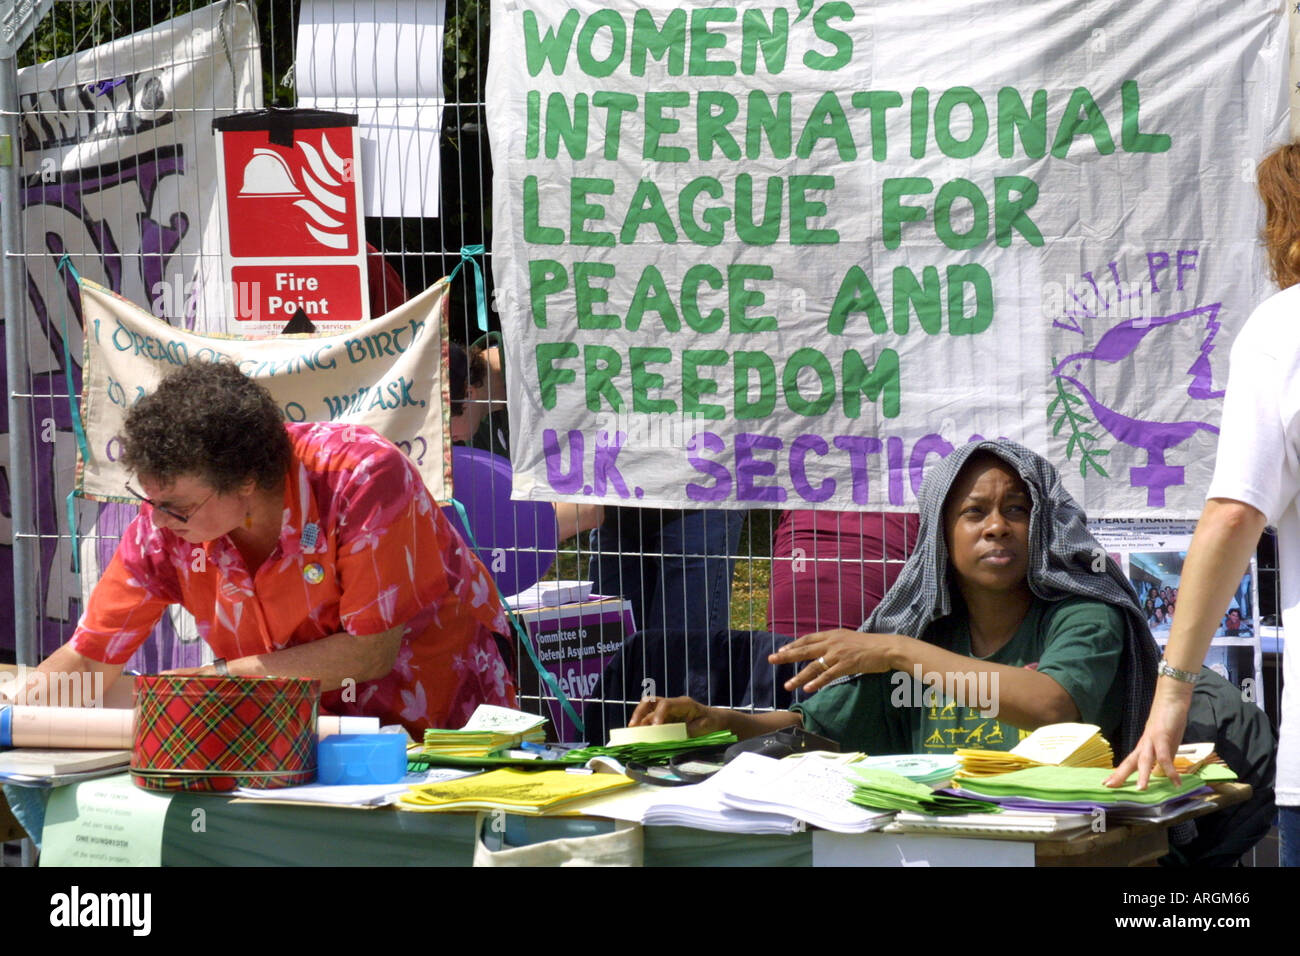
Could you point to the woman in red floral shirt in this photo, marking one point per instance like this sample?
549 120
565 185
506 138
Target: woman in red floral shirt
302 550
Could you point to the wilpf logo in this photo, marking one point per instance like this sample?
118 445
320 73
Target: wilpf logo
1109 384
292 201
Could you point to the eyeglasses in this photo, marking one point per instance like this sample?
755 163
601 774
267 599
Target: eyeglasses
174 515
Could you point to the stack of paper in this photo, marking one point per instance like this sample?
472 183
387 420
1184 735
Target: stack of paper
933 770
741 798
808 787
27 764
470 743
504 720
647 734
1008 825
360 795
652 751
885 790
1191 758
1082 789
490 730
551 594
703 807
1056 745
518 791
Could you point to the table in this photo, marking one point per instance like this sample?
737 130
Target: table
247 833
9 827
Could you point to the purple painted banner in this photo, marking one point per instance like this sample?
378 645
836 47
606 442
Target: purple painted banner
119 176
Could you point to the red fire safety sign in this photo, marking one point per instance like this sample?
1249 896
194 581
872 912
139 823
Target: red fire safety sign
293 235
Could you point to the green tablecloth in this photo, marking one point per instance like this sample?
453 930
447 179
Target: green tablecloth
240 834
230 833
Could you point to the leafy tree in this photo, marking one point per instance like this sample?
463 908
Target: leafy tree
71 27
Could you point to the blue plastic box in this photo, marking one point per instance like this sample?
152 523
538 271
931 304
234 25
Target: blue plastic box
361 758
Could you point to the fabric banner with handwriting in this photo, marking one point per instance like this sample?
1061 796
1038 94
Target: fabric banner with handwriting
119 174
385 374
789 254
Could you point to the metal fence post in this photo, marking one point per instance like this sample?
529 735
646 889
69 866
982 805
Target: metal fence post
17 21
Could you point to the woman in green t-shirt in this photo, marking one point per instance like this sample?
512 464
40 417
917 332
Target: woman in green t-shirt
1007 617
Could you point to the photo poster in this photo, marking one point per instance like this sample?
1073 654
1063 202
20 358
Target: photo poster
1151 556
790 255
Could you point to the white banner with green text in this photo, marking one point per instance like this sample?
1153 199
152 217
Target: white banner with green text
788 255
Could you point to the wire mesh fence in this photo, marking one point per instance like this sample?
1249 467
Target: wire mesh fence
116 102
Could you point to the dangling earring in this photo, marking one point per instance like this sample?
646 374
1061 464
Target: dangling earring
248 520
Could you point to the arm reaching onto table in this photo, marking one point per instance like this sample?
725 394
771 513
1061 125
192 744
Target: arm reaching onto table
1225 539
700 719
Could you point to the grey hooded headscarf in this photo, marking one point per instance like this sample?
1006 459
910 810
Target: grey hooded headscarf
1062 558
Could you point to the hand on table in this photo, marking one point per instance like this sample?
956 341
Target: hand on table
698 718
1164 732
834 654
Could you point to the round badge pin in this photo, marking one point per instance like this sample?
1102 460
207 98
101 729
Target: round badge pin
314 573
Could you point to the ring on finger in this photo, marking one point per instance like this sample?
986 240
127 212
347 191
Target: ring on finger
822 661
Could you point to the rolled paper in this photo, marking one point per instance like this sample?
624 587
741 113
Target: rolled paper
74 728
113 728
327 725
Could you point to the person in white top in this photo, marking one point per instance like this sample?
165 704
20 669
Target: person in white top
1256 483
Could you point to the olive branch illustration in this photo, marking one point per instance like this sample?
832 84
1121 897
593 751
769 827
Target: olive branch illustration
1079 438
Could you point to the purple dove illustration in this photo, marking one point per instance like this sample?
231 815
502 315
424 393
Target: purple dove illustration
1153 436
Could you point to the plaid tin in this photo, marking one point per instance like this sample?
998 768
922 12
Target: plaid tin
219 733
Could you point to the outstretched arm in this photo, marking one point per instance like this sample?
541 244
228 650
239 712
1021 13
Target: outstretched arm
1025 698
701 719
572 519
64 661
331 660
